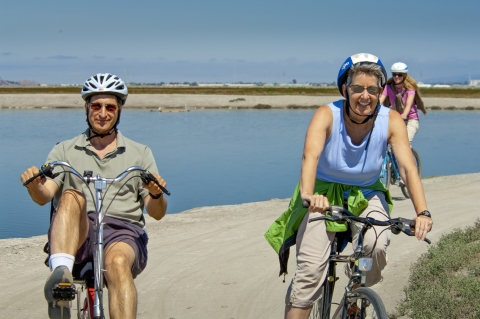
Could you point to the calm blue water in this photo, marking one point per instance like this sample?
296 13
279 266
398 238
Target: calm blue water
208 158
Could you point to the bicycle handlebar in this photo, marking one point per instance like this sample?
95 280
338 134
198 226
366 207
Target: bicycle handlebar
47 171
340 214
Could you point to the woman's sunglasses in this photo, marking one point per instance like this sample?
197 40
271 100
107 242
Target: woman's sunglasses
400 75
372 90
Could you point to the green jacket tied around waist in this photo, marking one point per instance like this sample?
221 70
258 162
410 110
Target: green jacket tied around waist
283 232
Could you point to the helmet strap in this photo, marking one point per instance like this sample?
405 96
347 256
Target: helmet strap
102 135
375 113
368 117
349 107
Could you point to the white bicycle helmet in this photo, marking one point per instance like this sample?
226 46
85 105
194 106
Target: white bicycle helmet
105 83
399 67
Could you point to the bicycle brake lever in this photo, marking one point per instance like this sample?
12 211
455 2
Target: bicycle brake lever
147 177
44 171
407 228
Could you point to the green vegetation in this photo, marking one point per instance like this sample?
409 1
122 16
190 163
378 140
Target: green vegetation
260 90
237 100
262 107
445 281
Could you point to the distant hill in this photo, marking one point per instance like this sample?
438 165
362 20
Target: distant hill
18 83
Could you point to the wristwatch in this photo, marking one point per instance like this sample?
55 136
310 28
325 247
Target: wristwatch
425 213
156 196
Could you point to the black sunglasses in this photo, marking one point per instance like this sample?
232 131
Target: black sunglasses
400 75
372 90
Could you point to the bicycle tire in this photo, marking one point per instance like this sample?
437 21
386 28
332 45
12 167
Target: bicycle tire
418 163
386 174
368 303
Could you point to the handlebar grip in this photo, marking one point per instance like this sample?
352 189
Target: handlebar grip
305 203
412 224
147 177
45 170
31 179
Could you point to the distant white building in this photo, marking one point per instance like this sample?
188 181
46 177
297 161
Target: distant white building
474 83
423 85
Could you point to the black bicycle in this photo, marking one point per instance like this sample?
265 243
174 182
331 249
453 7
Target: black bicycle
358 302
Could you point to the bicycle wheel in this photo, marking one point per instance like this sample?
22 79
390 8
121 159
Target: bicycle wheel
386 174
86 312
364 303
418 163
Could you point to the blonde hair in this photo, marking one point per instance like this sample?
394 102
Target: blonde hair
408 83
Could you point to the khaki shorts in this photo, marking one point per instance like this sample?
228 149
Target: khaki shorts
412 129
313 250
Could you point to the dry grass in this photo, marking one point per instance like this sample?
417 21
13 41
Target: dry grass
426 92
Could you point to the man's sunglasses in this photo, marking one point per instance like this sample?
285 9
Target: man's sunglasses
400 75
372 90
111 108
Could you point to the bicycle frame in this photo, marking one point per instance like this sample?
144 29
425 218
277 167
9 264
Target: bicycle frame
358 276
100 183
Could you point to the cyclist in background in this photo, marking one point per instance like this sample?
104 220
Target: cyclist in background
104 150
403 96
345 147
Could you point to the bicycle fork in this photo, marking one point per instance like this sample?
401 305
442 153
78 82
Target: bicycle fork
98 311
359 272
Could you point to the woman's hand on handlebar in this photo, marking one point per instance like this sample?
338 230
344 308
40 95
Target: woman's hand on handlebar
318 203
423 225
30 173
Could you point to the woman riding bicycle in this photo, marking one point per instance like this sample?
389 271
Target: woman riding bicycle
345 146
403 95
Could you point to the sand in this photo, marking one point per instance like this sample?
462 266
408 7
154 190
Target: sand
213 262
206 101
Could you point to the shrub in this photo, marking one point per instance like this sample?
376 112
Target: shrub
262 106
445 281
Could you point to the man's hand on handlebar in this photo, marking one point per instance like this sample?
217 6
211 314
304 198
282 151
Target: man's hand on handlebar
318 203
423 225
30 173
153 187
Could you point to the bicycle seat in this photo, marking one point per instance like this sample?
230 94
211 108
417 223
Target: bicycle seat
343 239
83 272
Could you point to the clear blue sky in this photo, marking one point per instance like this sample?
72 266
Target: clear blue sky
57 41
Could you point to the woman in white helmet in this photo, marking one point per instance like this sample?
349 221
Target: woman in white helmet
403 96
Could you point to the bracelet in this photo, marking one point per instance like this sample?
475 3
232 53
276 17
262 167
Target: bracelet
155 196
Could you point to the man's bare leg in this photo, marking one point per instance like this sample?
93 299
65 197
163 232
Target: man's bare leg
297 313
122 294
70 226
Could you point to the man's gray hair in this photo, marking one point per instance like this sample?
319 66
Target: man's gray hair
369 69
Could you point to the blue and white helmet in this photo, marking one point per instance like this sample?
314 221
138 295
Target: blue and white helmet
105 83
362 58
399 67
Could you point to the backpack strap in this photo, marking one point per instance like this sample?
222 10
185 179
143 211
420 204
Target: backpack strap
399 106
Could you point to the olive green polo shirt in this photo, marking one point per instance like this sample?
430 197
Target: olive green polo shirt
79 153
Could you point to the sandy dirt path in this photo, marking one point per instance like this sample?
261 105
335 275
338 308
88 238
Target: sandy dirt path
213 262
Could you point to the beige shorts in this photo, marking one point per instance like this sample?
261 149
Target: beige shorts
412 129
313 250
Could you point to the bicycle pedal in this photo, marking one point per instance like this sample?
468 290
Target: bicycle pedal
64 291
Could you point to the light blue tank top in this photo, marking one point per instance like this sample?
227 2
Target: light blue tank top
344 162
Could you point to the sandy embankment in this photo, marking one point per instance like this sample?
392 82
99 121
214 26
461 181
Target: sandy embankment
213 262
201 101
